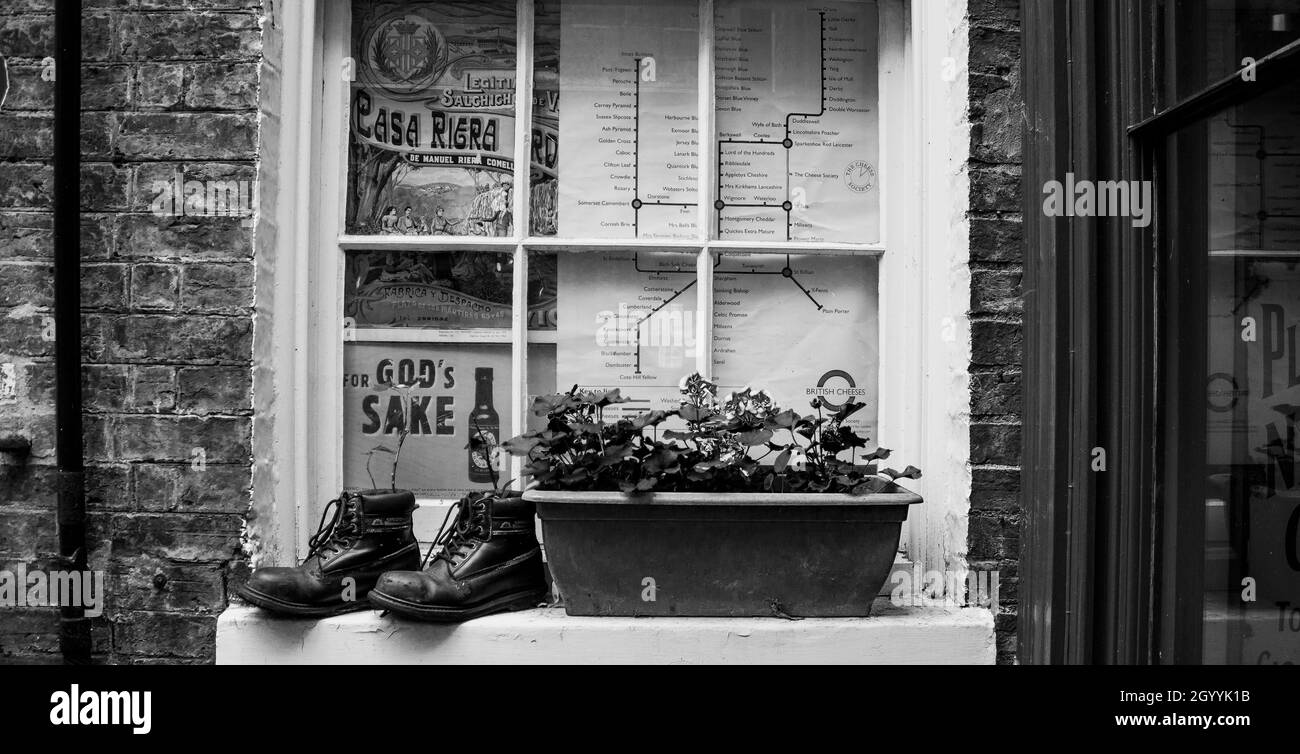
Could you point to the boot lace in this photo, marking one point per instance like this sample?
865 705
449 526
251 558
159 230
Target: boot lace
468 521
336 534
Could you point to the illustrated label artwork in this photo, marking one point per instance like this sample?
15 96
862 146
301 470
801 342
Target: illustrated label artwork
446 290
798 127
445 395
629 76
433 119
544 181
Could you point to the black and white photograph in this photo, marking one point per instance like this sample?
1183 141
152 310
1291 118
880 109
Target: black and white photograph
398 336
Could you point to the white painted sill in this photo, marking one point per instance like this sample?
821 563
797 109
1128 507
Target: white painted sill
892 636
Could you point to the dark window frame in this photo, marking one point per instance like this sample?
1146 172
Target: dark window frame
1107 337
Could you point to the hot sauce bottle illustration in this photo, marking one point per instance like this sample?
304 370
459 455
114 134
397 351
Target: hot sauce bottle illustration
484 429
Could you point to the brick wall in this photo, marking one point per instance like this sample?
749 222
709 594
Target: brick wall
997 240
169 85
172 84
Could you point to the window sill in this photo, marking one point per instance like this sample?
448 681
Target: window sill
894 635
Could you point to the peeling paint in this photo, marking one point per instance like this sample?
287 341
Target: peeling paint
23 311
8 383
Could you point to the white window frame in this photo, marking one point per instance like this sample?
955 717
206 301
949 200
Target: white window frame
924 340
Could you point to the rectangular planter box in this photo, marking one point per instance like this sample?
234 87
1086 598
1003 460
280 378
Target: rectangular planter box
720 555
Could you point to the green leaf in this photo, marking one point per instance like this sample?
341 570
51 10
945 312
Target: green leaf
782 461
755 437
911 472
848 409
601 398
614 454
521 446
785 419
693 413
652 419
577 476
869 486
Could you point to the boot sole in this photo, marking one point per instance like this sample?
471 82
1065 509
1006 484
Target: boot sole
299 610
506 603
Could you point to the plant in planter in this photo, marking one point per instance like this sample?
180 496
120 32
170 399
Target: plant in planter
744 508
578 450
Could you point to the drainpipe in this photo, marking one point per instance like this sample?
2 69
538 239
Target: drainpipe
74 626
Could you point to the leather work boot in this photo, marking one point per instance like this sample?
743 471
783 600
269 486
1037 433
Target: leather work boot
487 562
369 534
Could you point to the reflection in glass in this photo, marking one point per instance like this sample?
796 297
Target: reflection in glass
1211 39
1252 474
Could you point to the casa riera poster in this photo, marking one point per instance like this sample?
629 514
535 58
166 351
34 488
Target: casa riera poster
433 106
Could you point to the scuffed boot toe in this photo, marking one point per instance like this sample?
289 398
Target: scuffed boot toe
407 586
276 583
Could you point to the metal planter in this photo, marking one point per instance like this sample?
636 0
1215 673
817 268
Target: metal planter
720 555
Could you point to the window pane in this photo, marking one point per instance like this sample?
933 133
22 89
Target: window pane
433 121
1209 40
445 290
802 328
627 73
797 121
424 401
627 320
541 378
544 179
1238 175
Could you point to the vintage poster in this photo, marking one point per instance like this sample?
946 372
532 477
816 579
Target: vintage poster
798 138
432 141
444 290
410 410
629 75
816 317
628 320
544 213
